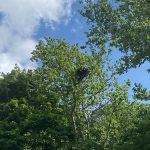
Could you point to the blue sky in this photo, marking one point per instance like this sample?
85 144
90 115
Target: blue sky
72 31
24 22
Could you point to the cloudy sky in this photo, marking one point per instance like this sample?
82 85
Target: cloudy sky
24 22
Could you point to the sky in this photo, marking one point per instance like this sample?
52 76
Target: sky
24 22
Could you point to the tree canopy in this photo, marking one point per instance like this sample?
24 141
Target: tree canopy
73 99
56 110
124 24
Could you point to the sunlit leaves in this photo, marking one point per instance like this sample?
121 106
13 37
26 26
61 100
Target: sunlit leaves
125 24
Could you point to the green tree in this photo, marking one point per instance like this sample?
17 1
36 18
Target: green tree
96 106
138 137
73 102
12 114
15 84
124 25
34 122
26 126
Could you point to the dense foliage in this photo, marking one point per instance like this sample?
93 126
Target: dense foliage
73 100
58 106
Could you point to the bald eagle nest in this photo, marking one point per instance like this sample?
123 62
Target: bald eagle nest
81 73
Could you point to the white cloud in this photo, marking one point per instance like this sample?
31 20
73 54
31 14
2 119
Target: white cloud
20 20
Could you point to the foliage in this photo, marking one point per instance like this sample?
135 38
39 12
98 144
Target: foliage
14 84
56 110
124 25
24 126
92 105
11 116
138 137
73 99
141 93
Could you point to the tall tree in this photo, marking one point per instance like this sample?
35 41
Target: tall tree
96 106
73 102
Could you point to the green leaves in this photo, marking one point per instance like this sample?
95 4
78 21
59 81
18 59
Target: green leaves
141 93
14 84
97 108
56 111
124 24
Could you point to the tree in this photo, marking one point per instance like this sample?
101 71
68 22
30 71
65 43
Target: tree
73 102
124 25
96 106
34 120
12 114
137 138
25 126
15 84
